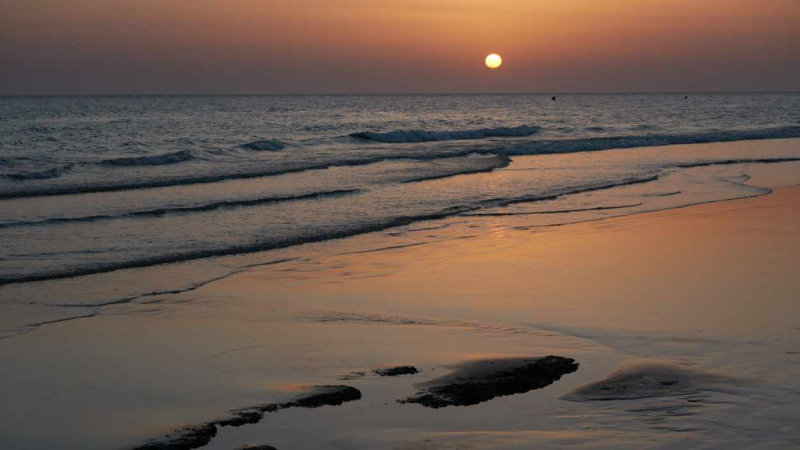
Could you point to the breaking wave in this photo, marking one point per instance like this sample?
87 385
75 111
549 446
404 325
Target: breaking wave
555 211
496 162
544 147
235 250
45 191
348 231
41 175
413 136
151 160
186 209
728 162
264 145
533 147
496 202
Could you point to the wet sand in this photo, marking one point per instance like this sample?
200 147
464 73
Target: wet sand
691 297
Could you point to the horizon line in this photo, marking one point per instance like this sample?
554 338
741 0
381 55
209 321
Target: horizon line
298 94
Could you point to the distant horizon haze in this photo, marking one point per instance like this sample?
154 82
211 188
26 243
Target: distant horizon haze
257 47
399 94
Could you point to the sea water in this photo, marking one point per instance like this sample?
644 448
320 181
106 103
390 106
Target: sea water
98 185
125 200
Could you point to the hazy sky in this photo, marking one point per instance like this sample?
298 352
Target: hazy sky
376 46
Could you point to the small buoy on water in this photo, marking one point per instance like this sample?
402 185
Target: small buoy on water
554 98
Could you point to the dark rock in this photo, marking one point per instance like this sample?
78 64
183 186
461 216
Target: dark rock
242 418
470 386
184 439
326 395
269 408
199 436
395 371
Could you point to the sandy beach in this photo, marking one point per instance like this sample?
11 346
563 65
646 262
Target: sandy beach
691 313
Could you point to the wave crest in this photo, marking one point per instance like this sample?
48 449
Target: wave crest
41 175
413 136
531 147
230 204
264 145
544 147
151 160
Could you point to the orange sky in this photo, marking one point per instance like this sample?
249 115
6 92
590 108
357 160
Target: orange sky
328 46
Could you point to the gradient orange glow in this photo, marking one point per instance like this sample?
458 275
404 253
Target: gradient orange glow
241 46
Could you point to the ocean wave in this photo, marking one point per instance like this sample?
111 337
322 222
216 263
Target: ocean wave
663 194
414 136
643 127
326 236
41 175
529 148
543 147
185 210
555 211
352 229
42 129
151 160
728 162
264 145
46 191
182 141
235 250
499 202
480 166
133 144
497 162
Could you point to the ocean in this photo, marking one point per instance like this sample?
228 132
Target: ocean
169 261
98 185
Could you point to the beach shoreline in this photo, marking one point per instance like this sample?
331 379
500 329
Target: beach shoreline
187 358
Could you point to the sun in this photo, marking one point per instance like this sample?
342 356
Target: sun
493 61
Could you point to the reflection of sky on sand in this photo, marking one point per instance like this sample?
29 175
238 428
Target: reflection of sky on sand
190 366
709 289
703 314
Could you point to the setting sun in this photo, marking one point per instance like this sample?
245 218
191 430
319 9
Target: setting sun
321 223
493 61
